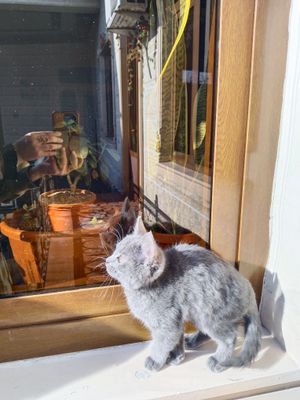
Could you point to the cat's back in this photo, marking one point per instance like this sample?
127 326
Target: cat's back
192 262
186 258
198 270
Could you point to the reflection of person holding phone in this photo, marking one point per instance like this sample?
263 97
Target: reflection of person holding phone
15 174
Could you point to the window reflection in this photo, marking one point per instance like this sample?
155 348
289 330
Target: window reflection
126 131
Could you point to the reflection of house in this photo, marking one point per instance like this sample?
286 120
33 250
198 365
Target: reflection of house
167 121
47 64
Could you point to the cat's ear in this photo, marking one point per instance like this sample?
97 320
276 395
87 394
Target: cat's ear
125 206
154 255
128 215
139 228
150 247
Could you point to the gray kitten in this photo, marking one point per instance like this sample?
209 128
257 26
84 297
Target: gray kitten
185 283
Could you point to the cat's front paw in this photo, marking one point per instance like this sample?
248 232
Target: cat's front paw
214 365
152 365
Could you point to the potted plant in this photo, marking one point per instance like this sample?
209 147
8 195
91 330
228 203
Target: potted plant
32 229
63 205
167 232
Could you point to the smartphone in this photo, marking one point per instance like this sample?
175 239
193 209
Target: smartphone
59 117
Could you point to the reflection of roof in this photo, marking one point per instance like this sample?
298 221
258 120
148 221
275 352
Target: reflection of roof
124 14
129 5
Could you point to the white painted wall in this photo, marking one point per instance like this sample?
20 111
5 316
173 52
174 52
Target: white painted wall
109 7
280 306
111 149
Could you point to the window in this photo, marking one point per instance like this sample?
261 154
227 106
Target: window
178 153
48 82
58 59
51 270
191 75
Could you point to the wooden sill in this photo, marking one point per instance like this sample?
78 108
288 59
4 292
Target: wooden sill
53 323
117 373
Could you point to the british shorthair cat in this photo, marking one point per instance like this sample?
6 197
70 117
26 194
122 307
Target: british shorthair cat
165 288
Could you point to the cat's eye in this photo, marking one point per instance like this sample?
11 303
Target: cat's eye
119 259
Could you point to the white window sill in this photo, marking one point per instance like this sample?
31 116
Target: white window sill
117 373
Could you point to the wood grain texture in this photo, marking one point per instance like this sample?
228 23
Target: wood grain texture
232 98
69 336
269 60
61 306
210 91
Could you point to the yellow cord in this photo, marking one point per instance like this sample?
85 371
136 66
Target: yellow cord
180 33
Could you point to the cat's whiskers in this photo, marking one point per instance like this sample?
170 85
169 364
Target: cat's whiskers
122 235
103 293
107 250
98 266
101 264
104 246
116 235
112 292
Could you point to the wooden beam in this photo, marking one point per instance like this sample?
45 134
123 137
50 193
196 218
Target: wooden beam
69 336
232 98
53 307
269 61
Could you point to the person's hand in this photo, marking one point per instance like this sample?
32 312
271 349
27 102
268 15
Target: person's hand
35 145
64 167
49 166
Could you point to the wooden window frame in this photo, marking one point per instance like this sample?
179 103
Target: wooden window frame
58 322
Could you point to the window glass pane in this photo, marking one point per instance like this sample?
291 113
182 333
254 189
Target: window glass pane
193 75
177 175
97 106
184 93
56 74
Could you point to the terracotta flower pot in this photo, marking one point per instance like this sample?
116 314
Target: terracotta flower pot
64 217
170 239
166 238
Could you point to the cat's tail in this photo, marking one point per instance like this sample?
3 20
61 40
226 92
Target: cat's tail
251 344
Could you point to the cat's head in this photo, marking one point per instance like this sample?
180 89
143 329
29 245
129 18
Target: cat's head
137 260
127 219
120 225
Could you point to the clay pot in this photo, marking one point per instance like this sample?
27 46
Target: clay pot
170 239
65 217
